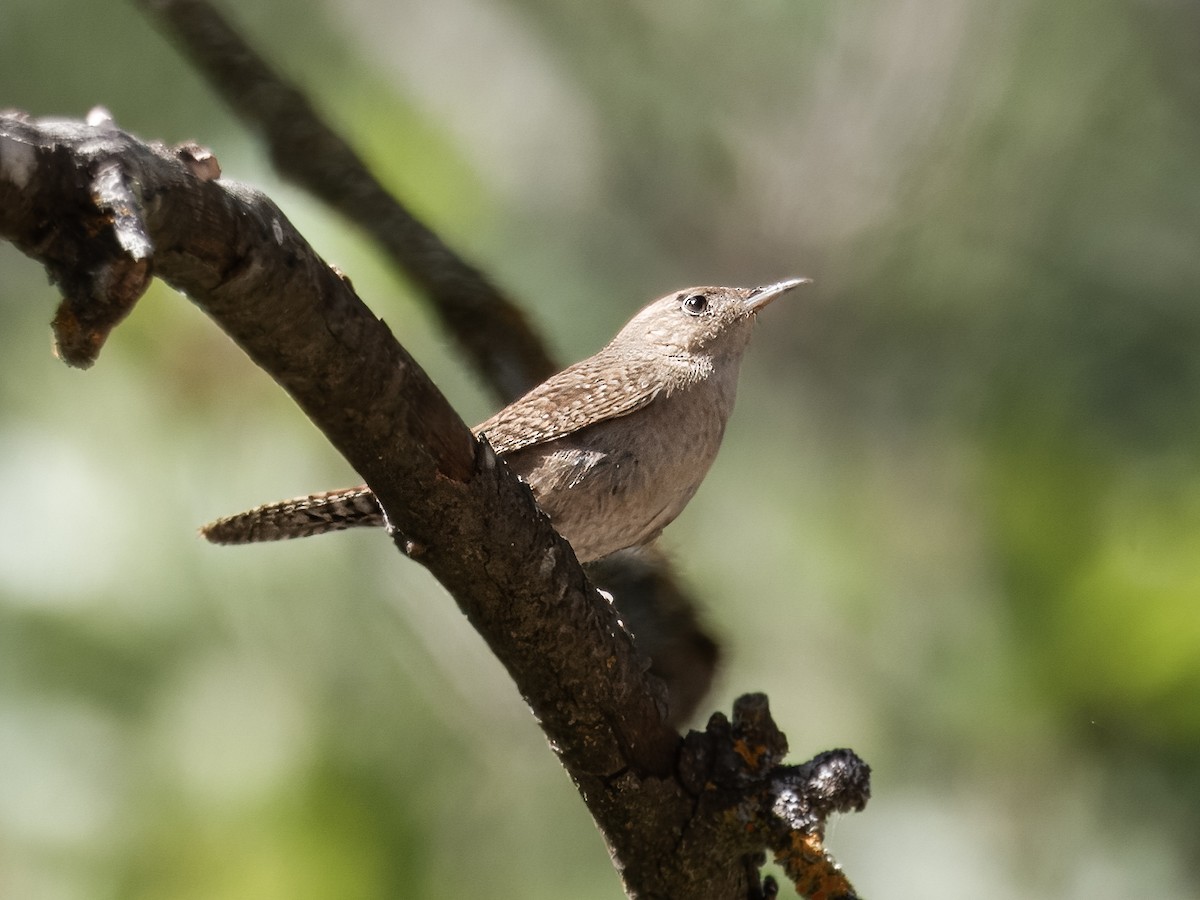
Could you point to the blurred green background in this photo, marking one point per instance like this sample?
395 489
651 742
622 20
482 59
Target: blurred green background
955 526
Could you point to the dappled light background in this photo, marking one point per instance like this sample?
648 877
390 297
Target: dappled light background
955 525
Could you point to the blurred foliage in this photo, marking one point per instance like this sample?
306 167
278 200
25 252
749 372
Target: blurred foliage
955 525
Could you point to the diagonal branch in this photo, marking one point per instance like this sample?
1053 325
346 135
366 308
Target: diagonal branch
490 328
472 523
104 211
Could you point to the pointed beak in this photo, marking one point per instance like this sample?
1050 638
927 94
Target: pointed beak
760 297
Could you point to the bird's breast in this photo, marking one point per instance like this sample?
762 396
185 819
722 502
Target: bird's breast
617 483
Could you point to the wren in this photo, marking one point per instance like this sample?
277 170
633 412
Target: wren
612 447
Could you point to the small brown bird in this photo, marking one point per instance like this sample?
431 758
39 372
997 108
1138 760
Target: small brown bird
612 447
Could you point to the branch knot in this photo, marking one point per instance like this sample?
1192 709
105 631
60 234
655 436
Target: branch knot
734 769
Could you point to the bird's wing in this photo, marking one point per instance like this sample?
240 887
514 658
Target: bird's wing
596 389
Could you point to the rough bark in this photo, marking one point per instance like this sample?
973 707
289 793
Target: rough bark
105 212
493 333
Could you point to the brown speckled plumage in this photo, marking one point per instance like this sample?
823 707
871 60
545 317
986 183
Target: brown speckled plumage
613 447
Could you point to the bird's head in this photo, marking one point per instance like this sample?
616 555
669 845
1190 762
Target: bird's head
712 321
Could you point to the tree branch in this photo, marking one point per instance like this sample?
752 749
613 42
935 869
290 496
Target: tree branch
491 329
104 211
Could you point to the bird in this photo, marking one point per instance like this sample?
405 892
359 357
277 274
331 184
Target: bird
612 447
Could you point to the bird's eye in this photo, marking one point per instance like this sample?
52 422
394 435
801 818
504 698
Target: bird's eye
695 304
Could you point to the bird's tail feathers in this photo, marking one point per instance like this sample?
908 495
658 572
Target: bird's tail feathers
300 517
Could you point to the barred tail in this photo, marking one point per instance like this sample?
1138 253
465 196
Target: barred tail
315 514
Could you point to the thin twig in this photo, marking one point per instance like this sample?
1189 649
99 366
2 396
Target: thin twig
683 817
492 330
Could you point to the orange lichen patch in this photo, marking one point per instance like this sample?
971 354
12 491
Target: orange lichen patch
812 870
82 326
752 754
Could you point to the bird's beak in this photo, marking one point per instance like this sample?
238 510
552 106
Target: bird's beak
760 297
